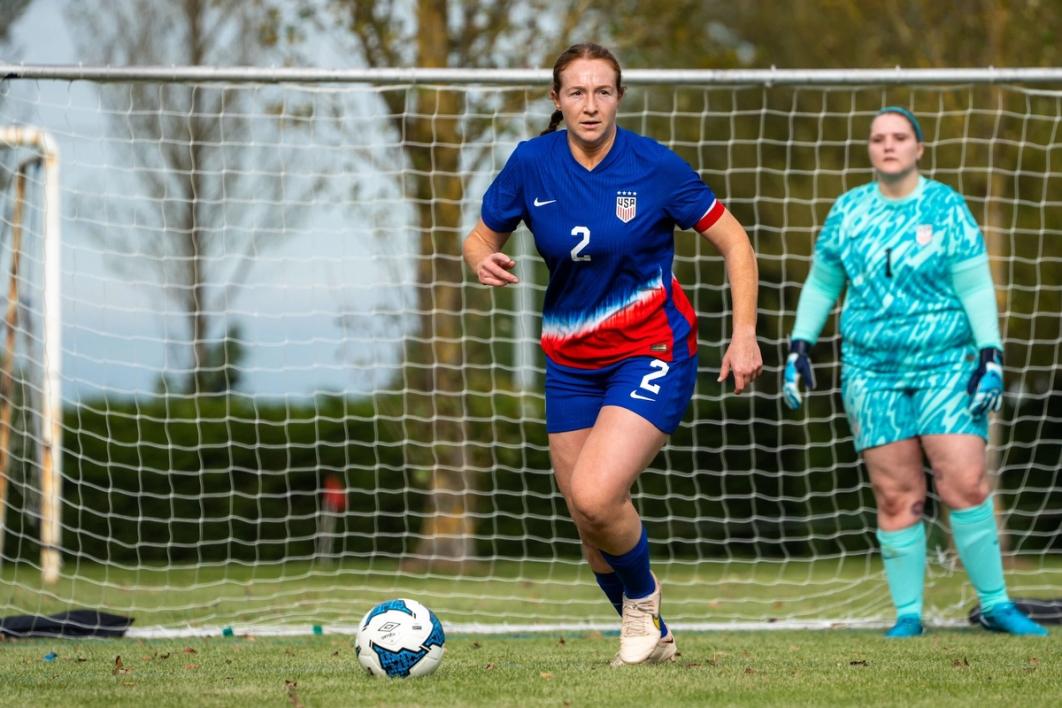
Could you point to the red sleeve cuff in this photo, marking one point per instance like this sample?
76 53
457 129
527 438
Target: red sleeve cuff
715 211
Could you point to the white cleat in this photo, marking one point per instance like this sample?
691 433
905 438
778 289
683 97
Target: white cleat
664 652
640 631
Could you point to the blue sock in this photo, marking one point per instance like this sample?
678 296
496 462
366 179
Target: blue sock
632 568
977 540
904 555
611 584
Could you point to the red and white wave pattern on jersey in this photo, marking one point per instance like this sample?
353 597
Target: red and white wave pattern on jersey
637 326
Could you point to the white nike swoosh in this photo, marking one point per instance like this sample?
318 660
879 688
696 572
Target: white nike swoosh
640 397
538 203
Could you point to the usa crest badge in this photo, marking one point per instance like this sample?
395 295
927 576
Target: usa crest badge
924 234
626 206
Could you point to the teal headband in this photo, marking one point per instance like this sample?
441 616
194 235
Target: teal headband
900 110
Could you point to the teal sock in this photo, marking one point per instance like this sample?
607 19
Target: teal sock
904 555
977 540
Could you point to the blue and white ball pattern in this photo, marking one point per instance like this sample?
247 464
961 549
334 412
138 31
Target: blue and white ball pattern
400 638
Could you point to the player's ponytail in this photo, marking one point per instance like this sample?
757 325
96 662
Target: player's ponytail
586 50
554 121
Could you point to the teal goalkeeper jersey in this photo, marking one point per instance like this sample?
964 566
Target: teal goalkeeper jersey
901 313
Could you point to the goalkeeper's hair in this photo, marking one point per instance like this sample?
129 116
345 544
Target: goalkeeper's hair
586 50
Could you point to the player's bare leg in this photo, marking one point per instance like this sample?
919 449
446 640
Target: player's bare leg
595 470
958 463
898 482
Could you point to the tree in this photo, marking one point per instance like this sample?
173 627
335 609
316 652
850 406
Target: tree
846 34
434 127
1006 197
206 194
923 34
10 11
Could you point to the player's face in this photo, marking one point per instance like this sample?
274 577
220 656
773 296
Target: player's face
588 98
894 150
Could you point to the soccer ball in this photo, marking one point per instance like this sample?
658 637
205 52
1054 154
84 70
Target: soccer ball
400 638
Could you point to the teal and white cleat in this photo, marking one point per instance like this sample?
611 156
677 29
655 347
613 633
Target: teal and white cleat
906 626
1007 618
664 652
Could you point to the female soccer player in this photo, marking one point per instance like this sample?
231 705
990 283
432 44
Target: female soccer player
618 332
921 363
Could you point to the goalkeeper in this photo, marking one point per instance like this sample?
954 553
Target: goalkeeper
922 363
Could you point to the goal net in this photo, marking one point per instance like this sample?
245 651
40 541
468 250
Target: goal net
283 399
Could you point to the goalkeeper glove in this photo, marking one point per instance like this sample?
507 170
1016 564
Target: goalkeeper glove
797 367
986 384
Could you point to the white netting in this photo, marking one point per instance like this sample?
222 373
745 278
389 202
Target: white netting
284 399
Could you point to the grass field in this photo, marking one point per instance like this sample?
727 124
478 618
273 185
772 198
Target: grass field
953 667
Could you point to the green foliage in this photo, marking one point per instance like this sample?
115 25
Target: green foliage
223 478
219 478
779 156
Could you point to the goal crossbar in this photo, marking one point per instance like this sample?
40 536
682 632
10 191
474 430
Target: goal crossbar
419 75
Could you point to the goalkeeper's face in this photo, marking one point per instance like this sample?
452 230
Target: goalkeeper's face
589 99
894 149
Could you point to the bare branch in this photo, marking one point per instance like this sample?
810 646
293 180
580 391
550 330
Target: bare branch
372 23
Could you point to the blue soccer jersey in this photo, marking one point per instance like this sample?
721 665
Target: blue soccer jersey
901 312
607 237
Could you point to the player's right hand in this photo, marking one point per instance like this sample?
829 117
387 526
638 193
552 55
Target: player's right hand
494 270
797 368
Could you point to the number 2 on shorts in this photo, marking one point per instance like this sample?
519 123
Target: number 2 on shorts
661 370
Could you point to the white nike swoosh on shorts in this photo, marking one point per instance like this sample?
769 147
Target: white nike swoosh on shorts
640 397
538 203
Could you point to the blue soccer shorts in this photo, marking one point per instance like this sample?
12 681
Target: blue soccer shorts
657 390
886 408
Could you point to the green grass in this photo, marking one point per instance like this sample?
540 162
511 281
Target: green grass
960 667
952 666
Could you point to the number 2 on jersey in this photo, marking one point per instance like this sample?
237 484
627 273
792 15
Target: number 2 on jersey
581 232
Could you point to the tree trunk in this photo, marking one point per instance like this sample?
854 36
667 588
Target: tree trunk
436 381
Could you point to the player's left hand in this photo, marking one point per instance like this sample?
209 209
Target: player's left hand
743 359
797 370
986 384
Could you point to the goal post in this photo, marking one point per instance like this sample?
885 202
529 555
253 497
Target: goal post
280 398
46 152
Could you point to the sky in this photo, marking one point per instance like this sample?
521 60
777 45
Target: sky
317 310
